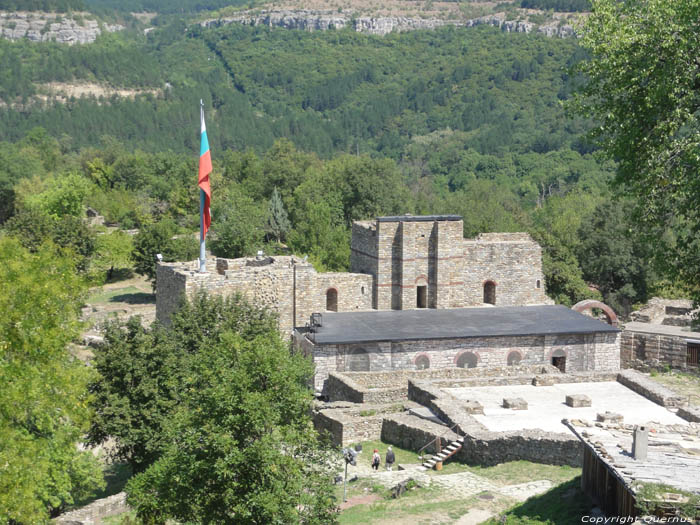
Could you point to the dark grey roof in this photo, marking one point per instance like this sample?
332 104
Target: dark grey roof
419 218
454 323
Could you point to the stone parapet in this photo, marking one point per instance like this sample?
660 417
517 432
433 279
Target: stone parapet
352 423
689 413
95 512
650 389
285 284
413 433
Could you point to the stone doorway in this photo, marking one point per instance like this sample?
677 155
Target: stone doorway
421 296
490 292
559 360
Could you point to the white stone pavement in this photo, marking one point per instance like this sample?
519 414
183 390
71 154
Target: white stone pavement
464 484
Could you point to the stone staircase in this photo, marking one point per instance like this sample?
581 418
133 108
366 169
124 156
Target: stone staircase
446 453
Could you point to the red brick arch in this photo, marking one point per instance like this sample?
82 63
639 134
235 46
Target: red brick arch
422 357
589 304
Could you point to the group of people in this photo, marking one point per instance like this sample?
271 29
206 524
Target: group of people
388 460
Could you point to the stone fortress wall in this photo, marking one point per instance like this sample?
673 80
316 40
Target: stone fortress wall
406 252
288 285
391 259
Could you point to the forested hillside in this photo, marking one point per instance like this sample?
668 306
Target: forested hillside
466 121
325 91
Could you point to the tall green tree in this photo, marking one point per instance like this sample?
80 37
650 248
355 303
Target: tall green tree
43 399
277 220
238 225
643 89
140 374
216 406
161 238
613 256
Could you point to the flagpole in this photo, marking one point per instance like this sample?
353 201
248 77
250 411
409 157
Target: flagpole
202 247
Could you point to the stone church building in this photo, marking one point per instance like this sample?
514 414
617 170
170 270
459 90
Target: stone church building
418 295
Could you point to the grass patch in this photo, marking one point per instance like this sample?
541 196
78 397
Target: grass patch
116 475
420 505
402 455
515 472
563 505
683 383
129 294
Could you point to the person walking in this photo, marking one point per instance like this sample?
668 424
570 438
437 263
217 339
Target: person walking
390 458
376 459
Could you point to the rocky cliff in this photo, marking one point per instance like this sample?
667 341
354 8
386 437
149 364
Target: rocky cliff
324 20
49 27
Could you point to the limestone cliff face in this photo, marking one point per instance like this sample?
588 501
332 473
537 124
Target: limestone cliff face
50 27
324 20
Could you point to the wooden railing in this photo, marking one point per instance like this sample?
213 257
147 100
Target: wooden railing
437 440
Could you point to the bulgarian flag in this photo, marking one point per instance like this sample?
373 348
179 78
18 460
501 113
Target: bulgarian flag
204 171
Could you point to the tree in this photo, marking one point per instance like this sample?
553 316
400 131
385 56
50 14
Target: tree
238 225
217 408
642 88
140 373
160 238
32 228
43 399
613 257
277 220
112 251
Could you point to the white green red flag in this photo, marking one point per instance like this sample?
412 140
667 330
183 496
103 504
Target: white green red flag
204 171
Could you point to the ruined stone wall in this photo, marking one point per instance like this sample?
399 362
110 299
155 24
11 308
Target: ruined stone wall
95 512
491 448
650 389
354 292
413 433
170 292
653 350
287 285
512 261
350 424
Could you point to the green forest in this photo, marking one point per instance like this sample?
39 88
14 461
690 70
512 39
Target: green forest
450 121
308 132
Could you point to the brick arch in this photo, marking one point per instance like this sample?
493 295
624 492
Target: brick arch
421 278
465 358
332 299
421 358
512 353
589 304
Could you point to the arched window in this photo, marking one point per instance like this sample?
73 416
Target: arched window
514 358
467 360
422 362
490 292
332 300
357 360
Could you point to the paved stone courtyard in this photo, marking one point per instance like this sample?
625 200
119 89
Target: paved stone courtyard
463 484
546 405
